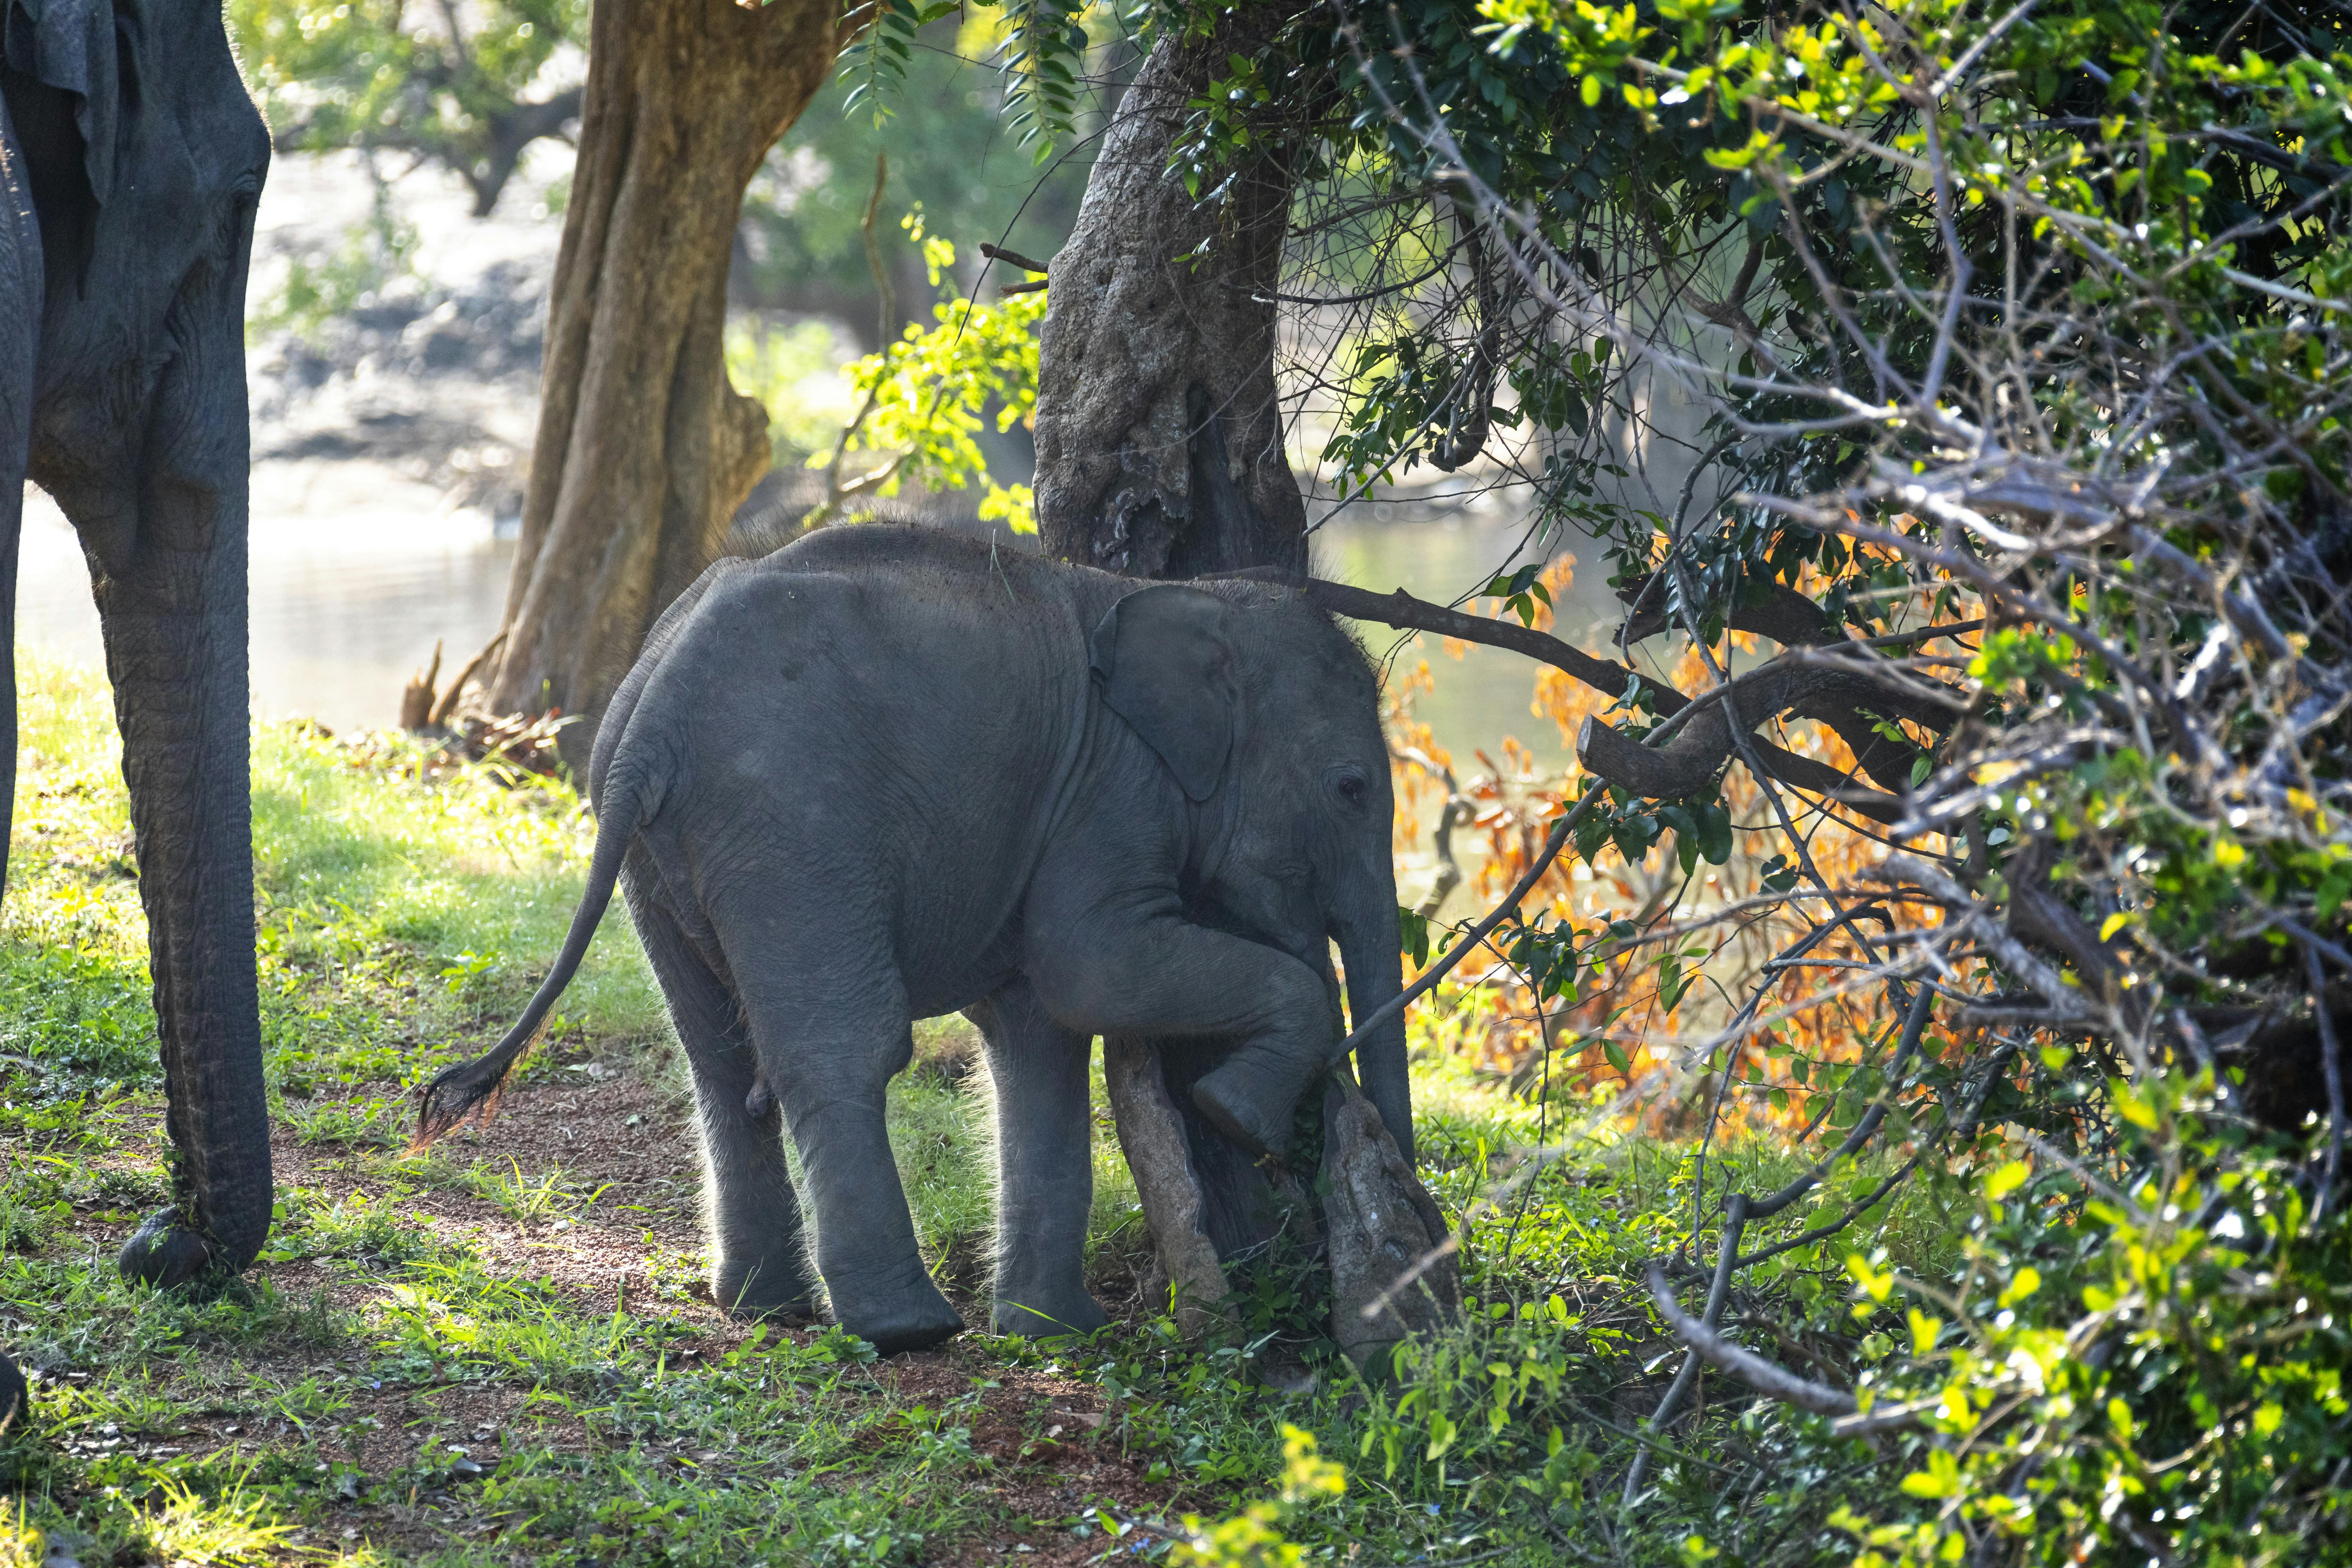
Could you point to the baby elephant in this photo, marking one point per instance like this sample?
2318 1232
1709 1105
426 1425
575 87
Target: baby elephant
886 774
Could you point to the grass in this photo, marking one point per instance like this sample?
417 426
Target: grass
551 1196
501 1352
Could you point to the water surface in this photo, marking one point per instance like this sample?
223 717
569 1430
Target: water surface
358 572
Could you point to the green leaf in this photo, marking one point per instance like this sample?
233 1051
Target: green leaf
1715 833
2008 1179
1412 935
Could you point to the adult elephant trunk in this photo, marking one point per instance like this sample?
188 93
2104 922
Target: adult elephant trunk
167 557
1367 946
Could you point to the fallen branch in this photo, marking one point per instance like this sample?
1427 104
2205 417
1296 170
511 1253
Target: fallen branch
1776 1381
1766 1377
1726 1253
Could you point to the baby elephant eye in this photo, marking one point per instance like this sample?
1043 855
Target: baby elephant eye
1350 788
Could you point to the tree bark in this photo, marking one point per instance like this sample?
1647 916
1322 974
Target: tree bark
1159 450
1151 1134
644 450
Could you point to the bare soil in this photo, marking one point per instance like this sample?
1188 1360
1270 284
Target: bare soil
1054 1447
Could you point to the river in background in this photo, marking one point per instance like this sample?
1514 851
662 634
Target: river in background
357 572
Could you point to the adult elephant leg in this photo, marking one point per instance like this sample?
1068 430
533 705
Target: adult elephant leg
20 276
171 600
1045 1167
20 314
139 431
759 1263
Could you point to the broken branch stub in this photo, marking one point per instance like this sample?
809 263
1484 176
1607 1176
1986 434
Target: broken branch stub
1393 1272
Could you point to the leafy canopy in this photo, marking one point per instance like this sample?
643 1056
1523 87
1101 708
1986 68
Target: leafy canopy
468 89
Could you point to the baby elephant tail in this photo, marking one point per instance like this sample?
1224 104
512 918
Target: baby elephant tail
462 1092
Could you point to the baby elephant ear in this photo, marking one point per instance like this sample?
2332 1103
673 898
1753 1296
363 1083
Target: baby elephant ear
1165 659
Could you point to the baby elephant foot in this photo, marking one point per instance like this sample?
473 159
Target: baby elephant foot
1249 1105
772 1288
894 1307
916 1324
1034 1316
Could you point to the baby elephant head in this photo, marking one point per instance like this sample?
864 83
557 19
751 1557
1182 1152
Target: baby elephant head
1267 715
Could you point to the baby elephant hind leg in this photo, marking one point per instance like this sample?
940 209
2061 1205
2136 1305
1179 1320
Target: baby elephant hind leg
828 1045
1044 1167
759 1263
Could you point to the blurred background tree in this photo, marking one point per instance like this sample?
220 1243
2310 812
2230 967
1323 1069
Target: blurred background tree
953 155
469 87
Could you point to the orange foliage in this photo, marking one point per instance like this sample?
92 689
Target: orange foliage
1805 1030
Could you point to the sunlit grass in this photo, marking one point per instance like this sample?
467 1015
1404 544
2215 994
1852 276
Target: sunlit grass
398 919
529 1200
226 1528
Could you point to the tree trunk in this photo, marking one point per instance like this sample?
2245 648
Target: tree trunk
644 450
1160 453
1158 433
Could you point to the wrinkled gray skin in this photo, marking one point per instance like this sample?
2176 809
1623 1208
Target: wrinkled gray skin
131 161
886 774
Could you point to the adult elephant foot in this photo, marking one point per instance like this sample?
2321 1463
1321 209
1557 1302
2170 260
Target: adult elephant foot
165 1253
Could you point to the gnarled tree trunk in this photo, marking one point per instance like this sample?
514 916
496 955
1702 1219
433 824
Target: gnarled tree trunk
1158 433
1160 453
644 450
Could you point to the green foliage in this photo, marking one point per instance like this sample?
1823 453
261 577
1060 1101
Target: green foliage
927 394
946 141
453 86
874 66
1252 1538
318 289
1041 44
1931 268
2156 1358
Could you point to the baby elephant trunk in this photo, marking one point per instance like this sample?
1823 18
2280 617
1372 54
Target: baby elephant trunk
1367 946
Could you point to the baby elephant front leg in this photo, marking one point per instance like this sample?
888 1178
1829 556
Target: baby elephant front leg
1167 977
1044 1167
